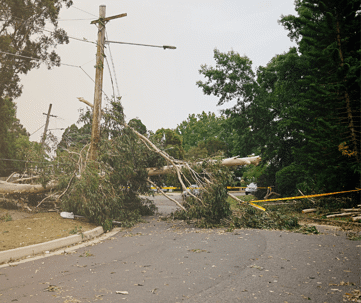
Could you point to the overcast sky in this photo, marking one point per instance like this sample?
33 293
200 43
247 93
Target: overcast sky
157 86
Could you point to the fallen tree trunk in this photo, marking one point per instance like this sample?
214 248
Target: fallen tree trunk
351 209
340 215
309 210
234 161
13 188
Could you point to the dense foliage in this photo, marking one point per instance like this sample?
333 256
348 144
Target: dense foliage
23 37
205 135
110 188
301 111
214 206
14 139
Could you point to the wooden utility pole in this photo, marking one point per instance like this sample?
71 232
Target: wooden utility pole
46 125
95 135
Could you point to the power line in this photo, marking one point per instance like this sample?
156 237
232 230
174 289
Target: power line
87 62
74 19
115 75
110 73
37 130
50 31
93 80
71 65
70 37
83 11
32 58
139 44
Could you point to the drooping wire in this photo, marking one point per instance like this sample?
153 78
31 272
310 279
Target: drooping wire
50 31
71 65
115 75
83 10
74 19
110 73
93 80
37 130
32 58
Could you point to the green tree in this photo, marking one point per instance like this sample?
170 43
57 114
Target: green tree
14 139
23 35
138 126
301 113
328 36
113 194
169 141
208 131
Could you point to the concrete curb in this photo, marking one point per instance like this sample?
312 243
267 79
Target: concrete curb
32 250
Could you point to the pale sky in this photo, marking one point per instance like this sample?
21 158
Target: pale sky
157 86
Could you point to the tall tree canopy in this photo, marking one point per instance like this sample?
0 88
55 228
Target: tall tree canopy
168 140
205 134
301 111
14 140
23 35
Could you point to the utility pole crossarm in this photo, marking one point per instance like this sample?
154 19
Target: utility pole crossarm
109 18
50 115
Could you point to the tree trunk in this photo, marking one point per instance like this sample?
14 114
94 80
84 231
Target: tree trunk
234 161
13 188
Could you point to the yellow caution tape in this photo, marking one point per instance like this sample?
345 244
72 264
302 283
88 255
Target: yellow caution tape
167 187
257 206
308 196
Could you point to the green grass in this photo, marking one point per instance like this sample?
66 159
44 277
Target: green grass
75 230
6 218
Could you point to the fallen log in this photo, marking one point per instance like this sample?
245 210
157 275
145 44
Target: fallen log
351 209
309 210
340 215
14 188
25 179
234 161
356 218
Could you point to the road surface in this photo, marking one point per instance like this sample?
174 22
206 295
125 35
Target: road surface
169 261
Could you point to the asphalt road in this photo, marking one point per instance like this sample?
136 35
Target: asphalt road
166 261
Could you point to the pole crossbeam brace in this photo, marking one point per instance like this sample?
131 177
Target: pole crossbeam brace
108 18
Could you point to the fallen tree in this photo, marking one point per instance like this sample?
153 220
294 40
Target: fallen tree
114 186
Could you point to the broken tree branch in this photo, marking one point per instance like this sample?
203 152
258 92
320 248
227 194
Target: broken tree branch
7 180
157 187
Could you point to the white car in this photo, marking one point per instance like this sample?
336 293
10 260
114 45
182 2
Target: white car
251 188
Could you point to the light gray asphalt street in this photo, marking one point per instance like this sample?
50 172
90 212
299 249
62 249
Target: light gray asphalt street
166 261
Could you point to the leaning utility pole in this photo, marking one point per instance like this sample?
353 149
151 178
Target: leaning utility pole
46 124
95 135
